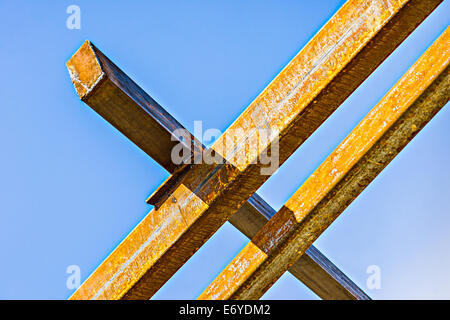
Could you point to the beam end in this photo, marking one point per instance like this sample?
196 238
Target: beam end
85 70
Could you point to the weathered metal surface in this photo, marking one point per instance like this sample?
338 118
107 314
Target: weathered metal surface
118 99
349 47
314 269
380 136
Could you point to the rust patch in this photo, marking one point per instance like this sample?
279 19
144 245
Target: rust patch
85 70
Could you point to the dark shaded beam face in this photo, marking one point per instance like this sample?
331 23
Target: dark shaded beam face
380 136
322 75
313 268
90 69
118 99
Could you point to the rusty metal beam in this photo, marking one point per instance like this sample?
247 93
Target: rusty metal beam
378 138
137 116
324 73
118 99
313 268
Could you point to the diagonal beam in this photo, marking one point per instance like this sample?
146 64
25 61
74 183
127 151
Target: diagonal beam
324 73
313 268
133 112
379 137
119 100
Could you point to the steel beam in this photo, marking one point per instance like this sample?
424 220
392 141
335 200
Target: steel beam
328 69
366 151
138 117
313 269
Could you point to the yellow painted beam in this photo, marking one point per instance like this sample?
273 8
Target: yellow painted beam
380 136
322 75
133 112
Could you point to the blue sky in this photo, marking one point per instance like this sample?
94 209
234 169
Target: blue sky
72 187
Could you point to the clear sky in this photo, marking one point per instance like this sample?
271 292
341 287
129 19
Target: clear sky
72 187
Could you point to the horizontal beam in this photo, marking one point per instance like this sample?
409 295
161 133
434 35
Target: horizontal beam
125 105
322 75
366 151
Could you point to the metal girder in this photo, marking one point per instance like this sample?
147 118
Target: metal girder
118 99
202 197
366 151
313 269
133 112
